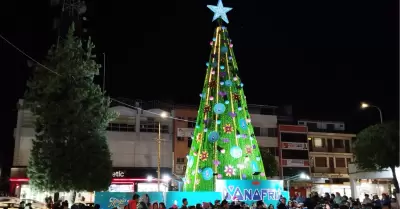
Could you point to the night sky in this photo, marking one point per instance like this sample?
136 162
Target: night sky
323 57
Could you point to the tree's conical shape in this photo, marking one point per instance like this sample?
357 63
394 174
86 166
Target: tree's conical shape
224 145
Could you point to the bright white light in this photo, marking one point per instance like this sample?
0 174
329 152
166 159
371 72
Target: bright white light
223 151
149 178
364 105
163 115
166 177
303 176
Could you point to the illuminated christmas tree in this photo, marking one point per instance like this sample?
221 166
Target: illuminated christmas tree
224 145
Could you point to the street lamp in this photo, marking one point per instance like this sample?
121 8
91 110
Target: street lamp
162 115
302 176
366 105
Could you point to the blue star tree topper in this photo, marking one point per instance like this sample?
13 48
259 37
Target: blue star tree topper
220 11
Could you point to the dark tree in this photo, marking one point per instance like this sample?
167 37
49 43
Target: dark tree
377 148
70 151
270 164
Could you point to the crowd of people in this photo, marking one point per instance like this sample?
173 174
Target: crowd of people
336 201
314 201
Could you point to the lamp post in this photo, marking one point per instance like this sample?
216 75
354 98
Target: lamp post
366 105
162 115
296 177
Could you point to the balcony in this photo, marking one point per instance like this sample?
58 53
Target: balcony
329 170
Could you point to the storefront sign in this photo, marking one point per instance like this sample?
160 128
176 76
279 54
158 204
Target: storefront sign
184 132
295 163
249 191
294 146
118 174
109 200
329 175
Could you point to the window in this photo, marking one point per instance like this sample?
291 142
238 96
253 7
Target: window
263 131
190 143
340 162
180 160
257 131
180 138
321 162
295 154
120 127
338 143
294 137
318 142
192 122
151 126
272 132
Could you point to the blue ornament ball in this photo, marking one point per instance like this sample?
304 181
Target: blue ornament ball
190 161
219 108
254 167
207 64
228 83
243 124
236 152
213 136
207 173
222 67
224 49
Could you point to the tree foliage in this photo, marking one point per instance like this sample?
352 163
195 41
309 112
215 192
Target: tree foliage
70 151
377 148
270 164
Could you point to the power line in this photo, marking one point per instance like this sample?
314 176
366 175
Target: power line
26 55
138 108
52 71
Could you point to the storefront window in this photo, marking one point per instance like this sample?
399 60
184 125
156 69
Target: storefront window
121 188
28 193
152 187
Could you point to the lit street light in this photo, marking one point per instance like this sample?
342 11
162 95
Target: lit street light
302 176
366 105
149 178
162 115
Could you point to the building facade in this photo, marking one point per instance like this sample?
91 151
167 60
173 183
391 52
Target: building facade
262 118
294 157
330 149
132 140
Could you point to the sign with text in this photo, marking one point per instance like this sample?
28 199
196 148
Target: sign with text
110 200
184 132
294 146
118 174
295 163
250 191
330 175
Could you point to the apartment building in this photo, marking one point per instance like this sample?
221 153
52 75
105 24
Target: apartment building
262 117
132 142
330 152
294 157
